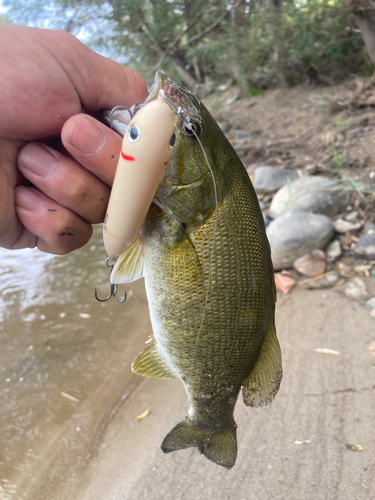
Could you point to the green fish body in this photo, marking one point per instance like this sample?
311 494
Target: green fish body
206 261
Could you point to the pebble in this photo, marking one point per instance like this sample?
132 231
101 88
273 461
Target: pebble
343 226
370 304
242 136
369 228
270 178
346 240
365 247
363 268
352 217
372 314
356 289
310 194
295 234
284 283
334 250
311 264
344 270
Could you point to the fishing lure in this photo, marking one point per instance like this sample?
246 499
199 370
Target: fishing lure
145 152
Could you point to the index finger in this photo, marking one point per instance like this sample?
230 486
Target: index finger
94 145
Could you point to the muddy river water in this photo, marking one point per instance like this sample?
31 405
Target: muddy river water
64 363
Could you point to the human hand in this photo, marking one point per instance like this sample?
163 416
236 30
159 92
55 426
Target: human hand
53 198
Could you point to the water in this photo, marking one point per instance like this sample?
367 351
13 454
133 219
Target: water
64 365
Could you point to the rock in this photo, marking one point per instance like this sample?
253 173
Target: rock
230 96
334 250
267 220
346 240
356 289
372 314
365 247
369 228
344 270
262 205
242 136
295 234
363 269
343 226
284 283
311 264
225 126
327 282
311 194
272 178
370 304
352 217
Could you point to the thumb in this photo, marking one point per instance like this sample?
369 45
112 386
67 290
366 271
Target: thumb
103 83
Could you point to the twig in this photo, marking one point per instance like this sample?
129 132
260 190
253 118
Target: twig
316 278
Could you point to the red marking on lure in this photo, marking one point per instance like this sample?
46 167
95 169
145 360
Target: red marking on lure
126 157
166 163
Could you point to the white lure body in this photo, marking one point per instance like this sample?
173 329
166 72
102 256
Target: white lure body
145 151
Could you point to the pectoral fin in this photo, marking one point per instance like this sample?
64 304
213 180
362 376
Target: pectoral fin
150 364
261 386
129 266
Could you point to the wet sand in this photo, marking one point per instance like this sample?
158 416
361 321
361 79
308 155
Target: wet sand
68 427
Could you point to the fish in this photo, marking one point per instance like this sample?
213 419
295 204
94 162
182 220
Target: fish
206 262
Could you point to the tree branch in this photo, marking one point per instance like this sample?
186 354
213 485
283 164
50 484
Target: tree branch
215 24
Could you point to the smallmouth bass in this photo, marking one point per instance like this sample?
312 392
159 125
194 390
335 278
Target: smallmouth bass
208 274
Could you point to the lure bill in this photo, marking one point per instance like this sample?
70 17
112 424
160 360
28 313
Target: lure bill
204 254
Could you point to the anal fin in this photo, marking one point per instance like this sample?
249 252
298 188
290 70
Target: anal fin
129 266
261 386
150 364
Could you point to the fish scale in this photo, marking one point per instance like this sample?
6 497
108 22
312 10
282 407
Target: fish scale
209 283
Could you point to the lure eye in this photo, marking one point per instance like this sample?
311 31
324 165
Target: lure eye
172 141
134 134
191 128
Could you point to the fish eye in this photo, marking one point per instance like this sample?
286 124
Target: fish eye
172 141
134 134
191 128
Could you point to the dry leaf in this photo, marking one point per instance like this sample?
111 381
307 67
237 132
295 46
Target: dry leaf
371 348
68 396
354 447
333 352
143 415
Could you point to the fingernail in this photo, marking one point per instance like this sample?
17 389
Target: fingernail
38 158
87 137
28 199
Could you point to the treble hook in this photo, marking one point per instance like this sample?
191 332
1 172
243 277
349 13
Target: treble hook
114 286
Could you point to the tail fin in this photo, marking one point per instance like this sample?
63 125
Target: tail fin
218 446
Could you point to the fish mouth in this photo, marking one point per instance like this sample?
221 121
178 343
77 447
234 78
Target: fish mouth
161 82
179 98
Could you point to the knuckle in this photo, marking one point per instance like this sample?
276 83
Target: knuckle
68 233
79 192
